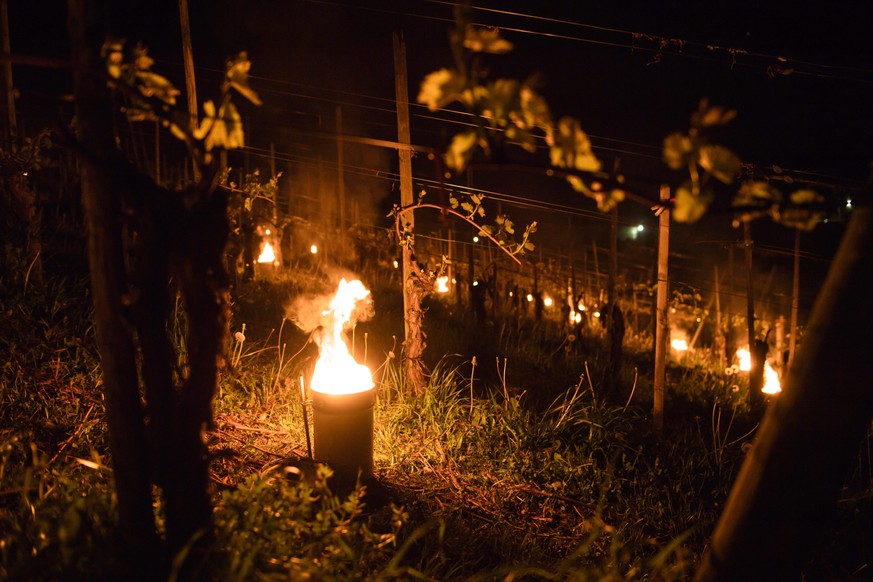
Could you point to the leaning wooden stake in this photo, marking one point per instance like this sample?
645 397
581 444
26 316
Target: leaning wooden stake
783 499
795 299
412 288
190 82
661 326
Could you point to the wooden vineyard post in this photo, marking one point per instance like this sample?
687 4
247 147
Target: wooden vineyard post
661 326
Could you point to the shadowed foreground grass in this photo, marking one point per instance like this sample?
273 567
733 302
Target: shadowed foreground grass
477 480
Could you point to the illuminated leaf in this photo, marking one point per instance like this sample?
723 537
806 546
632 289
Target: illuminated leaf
154 85
500 102
237 75
207 122
606 201
805 196
572 148
140 58
804 218
677 151
226 130
453 202
535 113
441 88
486 40
578 184
689 208
716 115
467 206
756 193
177 131
113 56
460 150
720 162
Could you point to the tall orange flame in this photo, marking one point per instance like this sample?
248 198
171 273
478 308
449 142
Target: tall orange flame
336 371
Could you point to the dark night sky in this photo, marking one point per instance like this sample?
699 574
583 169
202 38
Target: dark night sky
311 55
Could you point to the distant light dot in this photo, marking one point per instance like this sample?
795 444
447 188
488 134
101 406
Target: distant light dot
313 249
640 228
475 239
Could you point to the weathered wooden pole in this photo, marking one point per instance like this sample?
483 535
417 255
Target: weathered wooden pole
696 335
157 152
614 317
795 300
401 91
413 287
596 268
340 175
109 287
756 374
190 82
662 330
10 127
719 332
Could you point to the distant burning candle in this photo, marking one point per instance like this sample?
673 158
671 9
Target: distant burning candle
680 345
267 254
772 385
343 396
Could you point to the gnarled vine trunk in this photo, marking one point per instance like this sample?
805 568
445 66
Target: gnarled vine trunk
145 245
109 288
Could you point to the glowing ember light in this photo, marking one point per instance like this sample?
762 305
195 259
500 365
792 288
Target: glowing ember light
267 254
577 317
771 376
267 231
680 345
336 371
313 249
581 306
529 298
771 380
442 284
396 264
476 283
745 359
596 314
547 301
